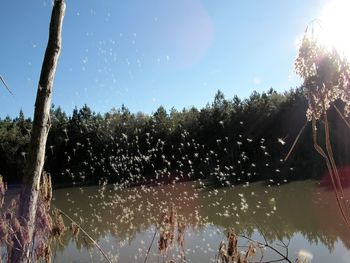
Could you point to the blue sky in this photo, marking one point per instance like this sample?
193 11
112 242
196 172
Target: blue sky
154 52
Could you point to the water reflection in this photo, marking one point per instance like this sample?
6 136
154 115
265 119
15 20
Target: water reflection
124 221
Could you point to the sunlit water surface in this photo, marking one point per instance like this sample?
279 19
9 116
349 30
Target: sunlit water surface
302 215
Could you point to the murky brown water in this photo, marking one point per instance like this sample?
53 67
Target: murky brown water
301 214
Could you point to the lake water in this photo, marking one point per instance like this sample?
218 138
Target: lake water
302 215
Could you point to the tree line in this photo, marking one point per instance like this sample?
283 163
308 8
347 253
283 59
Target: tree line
226 142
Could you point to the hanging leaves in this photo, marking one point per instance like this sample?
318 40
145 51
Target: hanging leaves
326 76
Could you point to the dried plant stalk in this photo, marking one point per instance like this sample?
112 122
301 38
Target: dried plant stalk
3 188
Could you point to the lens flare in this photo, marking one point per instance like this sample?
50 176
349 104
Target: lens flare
335 21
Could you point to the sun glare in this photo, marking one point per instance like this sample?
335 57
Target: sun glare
335 22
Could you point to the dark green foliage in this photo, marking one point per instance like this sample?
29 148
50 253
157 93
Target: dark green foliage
229 141
14 140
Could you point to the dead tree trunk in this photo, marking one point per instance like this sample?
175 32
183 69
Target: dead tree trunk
41 126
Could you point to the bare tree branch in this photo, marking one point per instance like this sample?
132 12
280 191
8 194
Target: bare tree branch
7 87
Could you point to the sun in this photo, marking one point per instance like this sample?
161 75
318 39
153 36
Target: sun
335 23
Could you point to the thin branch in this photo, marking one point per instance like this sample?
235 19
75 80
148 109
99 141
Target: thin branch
283 257
270 261
86 234
267 245
341 115
335 169
7 87
154 236
295 141
14 233
329 167
150 246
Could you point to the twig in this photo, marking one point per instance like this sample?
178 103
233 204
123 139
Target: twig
284 245
341 115
14 234
329 167
86 234
154 236
295 141
149 248
335 169
3 82
284 257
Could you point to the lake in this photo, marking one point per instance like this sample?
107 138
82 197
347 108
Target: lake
297 217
